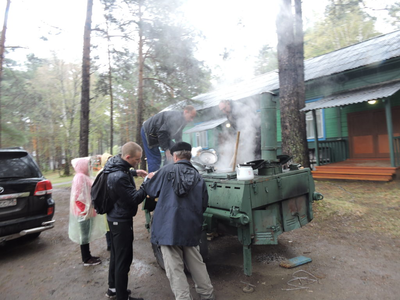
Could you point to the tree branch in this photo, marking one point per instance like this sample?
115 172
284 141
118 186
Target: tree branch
163 82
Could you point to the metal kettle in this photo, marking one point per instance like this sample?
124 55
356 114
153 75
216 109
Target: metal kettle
244 172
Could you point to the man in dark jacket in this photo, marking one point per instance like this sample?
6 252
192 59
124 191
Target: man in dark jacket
177 222
160 130
122 190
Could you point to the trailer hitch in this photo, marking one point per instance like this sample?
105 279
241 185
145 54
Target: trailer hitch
317 196
238 218
234 217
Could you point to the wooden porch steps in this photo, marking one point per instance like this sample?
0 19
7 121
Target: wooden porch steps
354 172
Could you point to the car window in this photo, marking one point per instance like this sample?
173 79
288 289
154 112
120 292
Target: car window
17 165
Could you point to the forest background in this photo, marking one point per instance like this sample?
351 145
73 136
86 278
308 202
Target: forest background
40 97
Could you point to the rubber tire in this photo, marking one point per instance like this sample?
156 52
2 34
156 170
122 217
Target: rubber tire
204 246
203 251
158 255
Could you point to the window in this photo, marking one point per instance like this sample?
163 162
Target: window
201 139
310 124
18 165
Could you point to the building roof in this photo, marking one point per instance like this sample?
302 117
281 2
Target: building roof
355 96
368 52
206 125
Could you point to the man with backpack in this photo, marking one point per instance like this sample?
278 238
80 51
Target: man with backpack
122 192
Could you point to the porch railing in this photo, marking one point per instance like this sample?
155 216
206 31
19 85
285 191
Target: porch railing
396 146
329 152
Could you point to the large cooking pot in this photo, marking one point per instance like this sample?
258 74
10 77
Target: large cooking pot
207 157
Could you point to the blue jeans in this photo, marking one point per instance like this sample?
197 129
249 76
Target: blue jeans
153 155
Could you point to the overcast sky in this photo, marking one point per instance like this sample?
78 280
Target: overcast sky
242 27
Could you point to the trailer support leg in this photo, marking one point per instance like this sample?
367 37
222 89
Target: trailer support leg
247 260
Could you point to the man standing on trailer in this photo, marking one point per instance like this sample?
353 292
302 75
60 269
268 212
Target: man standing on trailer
178 221
160 130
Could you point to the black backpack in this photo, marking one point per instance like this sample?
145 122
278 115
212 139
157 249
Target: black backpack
101 200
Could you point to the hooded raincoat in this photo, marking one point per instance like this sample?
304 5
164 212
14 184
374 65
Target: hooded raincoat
84 224
182 199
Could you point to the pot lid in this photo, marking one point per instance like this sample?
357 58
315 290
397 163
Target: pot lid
208 157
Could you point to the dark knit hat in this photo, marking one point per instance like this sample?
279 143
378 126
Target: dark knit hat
180 146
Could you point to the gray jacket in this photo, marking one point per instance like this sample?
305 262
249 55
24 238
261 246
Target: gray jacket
163 127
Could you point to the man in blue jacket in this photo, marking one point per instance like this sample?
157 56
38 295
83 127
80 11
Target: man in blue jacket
177 222
160 130
122 190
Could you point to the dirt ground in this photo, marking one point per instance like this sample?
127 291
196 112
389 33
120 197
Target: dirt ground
353 242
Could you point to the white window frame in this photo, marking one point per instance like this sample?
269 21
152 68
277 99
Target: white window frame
320 125
201 139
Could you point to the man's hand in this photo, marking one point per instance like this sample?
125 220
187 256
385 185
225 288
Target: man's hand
141 173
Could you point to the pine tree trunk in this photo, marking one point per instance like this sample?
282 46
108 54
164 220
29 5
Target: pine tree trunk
291 85
85 96
2 48
111 99
140 104
301 91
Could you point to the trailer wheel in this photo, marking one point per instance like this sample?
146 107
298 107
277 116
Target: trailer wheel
203 251
204 246
158 255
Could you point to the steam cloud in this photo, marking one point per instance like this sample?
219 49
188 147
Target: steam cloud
248 123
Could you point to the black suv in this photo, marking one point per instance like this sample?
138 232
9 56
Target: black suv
26 203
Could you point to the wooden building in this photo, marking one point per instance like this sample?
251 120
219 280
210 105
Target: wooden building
352 105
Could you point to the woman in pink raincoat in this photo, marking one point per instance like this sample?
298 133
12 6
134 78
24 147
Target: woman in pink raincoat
84 224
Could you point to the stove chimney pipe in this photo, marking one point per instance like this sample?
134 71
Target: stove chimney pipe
268 127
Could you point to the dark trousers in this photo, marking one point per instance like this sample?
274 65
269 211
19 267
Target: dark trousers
85 252
85 227
121 257
108 240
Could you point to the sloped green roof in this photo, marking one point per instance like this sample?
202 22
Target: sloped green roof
372 51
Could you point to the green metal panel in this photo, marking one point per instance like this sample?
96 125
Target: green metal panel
265 192
295 183
226 195
295 213
267 225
